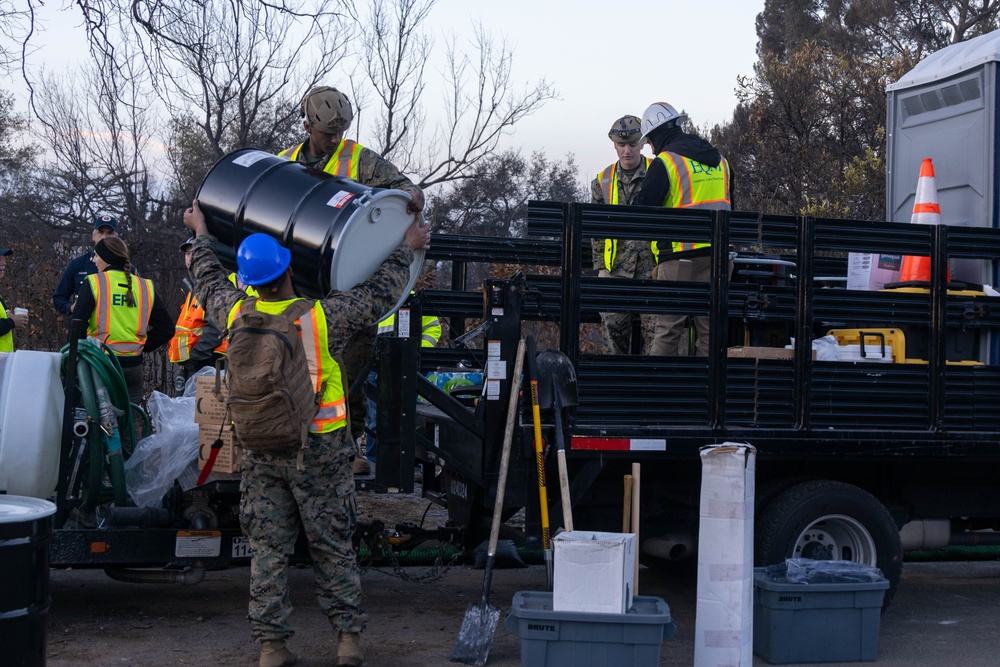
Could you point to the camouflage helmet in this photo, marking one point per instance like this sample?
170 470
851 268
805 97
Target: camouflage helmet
327 109
626 128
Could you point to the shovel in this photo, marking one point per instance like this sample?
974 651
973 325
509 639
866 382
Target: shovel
480 623
543 497
557 390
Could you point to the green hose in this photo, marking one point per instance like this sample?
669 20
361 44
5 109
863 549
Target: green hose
98 367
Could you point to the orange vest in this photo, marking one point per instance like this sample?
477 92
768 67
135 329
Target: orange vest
188 331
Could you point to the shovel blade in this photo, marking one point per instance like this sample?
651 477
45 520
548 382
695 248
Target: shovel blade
556 380
475 637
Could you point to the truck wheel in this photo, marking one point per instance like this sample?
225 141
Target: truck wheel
828 520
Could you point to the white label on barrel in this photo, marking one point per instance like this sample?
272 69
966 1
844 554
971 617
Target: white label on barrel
493 349
198 543
338 200
250 158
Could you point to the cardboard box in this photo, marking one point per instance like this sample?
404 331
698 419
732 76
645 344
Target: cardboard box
229 457
871 271
724 607
594 572
209 407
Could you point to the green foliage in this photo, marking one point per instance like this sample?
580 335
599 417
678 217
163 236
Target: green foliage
808 134
493 201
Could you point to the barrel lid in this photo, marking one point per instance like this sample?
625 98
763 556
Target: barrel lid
369 237
17 509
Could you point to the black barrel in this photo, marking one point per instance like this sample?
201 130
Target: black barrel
337 230
25 533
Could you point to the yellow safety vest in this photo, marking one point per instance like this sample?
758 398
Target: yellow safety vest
323 368
343 162
430 332
608 181
113 322
6 340
695 185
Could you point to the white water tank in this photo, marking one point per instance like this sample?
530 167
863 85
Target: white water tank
31 413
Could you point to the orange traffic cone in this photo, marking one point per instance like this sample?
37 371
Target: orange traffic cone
926 211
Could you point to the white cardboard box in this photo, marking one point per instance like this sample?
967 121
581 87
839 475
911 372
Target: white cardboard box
724 608
593 572
871 271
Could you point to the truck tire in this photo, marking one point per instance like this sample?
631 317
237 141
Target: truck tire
828 520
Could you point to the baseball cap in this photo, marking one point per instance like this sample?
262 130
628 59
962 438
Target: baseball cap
187 244
106 221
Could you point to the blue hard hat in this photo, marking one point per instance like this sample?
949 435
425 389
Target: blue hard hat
261 260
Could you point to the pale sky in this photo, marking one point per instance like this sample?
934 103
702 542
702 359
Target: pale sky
607 59
604 59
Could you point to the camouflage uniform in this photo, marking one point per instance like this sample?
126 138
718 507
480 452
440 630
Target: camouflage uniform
633 259
276 495
375 172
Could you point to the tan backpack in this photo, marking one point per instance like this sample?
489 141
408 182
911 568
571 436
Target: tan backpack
272 399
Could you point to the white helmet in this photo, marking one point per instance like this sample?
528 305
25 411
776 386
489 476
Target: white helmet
657 114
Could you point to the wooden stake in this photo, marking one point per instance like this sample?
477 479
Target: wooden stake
635 523
627 506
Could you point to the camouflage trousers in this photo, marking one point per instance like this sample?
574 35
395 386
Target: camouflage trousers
276 499
617 331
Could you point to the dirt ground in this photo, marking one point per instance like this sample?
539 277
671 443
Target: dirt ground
944 613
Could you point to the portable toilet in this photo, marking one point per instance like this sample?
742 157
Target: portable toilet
945 108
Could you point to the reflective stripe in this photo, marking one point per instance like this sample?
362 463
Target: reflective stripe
324 371
120 327
188 330
323 368
430 330
343 162
430 333
608 181
694 185
606 178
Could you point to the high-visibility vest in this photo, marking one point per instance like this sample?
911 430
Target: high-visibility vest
188 330
430 331
113 322
608 181
343 162
323 368
695 185
6 340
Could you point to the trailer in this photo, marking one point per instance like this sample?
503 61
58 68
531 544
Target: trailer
857 459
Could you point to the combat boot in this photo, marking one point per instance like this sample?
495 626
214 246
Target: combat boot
349 649
274 654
